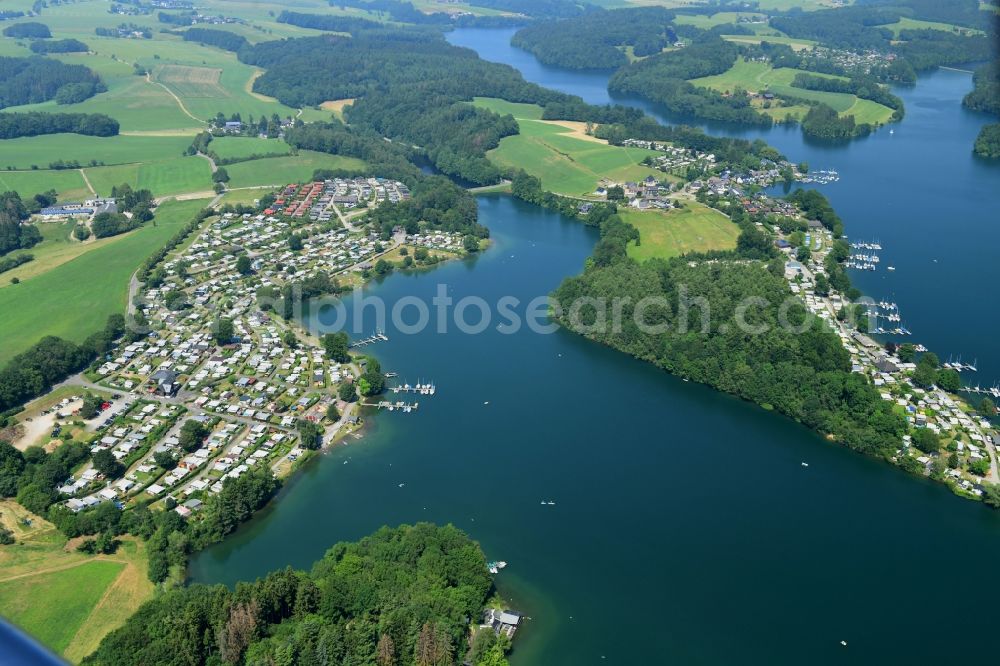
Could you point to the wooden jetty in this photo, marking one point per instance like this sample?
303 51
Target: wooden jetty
370 340
398 406
421 389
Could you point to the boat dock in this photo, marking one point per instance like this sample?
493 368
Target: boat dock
400 406
422 389
377 337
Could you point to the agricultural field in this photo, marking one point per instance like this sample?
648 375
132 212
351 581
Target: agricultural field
565 159
796 44
163 178
68 183
74 299
290 169
231 147
906 23
67 600
696 228
503 107
336 107
759 24
41 151
760 76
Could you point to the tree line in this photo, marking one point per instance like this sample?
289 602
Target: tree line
28 30
806 376
402 596
595 40
34 123
663 78
31 80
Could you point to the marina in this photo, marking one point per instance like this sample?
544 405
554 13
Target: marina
399 406
378 336
422 389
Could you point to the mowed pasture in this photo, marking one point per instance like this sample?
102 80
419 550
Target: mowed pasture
68 183
290 169
162 178
186 81
565 161
665 234
41 151
760 76
75 298
66 599
243 147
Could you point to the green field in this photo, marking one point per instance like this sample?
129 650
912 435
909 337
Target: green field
795 43
566 164
503 107
229 147
906 23
52 606
68 183
662 235
283 170
760 76
163 178
21 153
74 299
706 22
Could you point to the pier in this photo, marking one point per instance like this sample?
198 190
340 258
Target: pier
422 389
405 407
377 337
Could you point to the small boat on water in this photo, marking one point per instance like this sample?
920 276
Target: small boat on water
495 567
805 464
890 268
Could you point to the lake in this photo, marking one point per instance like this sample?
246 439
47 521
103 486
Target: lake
685 528
920 191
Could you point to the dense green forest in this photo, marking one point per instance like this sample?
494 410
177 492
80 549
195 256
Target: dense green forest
411 86
822 122
596 39
403 596
13 125
13 234
804 375
222 39
985 95
662 78
43 46
988 142
327 22
27 30
35 79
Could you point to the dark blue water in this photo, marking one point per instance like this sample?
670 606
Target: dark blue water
685 529
933 205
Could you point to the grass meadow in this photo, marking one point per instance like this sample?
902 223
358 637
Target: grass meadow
74 299
665 234
565 162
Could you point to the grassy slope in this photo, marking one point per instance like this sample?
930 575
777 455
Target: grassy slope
565 164
281 170
242 147
68 600
52 606
162 178
74 299
697 228
758 76
42 150
68 183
